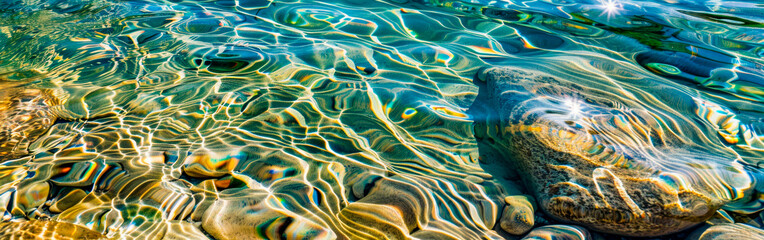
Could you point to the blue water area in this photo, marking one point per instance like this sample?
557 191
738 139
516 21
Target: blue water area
382 119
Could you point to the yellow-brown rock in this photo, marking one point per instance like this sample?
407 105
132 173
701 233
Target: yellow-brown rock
517 217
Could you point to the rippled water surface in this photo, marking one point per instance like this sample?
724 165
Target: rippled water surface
363 119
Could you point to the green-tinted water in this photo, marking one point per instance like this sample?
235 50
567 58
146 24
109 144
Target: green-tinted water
349 119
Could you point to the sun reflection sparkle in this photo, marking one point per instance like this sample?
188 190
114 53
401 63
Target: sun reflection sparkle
611 7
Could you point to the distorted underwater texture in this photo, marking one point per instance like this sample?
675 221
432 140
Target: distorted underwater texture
381 119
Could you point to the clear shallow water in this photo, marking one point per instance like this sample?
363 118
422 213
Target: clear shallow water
342 119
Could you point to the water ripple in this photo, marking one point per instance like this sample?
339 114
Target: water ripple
349 119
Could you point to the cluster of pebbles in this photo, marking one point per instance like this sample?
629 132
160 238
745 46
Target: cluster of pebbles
245 123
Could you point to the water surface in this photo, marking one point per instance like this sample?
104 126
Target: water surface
336 119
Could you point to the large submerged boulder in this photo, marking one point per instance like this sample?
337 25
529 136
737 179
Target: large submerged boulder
594 154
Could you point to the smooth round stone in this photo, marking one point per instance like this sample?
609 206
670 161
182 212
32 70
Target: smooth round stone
730 231
67 201
518 215
183 230
390 208
32 195
205 165
593 154
256 217
204 25
555 232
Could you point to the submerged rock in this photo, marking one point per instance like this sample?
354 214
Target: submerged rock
24 116
594 154
730 231
518 215
39 229
550 232
253 217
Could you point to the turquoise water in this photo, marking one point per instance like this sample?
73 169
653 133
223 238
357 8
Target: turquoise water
257 119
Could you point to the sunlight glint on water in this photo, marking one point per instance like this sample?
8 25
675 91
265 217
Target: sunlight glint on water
258 119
